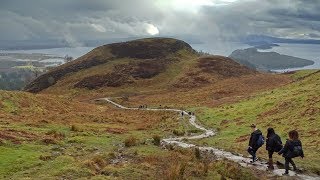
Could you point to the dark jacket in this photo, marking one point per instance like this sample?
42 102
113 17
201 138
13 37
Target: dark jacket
273 143
287 150
254 138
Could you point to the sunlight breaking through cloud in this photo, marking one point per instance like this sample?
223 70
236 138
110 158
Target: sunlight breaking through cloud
152 30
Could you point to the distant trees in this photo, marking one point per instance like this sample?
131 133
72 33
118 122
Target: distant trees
36 72
12 80
202 53
18 78
68 58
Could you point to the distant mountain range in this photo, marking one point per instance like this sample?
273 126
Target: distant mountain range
61 43
256 40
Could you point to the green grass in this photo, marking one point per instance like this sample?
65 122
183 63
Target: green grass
15 158
294 106
303 73
9 106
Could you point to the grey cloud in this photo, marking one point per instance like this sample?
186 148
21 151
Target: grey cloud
75 21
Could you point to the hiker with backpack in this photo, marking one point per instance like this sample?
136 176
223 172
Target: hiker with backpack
256 141
292 149
273 144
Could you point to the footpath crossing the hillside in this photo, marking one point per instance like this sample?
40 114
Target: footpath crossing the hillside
243 161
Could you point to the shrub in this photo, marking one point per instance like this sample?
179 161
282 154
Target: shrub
197 153
130 141
178 132
56 135
194 131
75 128
112 155
174 171
45 158
97 163
49 141
156 140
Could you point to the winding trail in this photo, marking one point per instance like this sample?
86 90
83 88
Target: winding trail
220 154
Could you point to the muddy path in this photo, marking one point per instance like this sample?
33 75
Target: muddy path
219 153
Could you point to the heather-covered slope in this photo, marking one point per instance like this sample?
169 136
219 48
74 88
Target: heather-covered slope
154 65
154 50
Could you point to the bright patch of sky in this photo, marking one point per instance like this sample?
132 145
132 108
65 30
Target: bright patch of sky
152 30
98 27
194 5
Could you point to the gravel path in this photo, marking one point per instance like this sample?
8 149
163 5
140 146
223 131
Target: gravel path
243 161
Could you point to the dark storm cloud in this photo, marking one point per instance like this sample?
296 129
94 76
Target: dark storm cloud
77 20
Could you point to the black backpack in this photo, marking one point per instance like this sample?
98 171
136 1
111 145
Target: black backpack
278 146
260 141
297 151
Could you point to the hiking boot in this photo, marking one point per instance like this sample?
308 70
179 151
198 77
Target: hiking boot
270 164
295 168
285 174
270 167
252 161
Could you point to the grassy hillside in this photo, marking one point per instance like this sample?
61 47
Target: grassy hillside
47 137
294 106
63 127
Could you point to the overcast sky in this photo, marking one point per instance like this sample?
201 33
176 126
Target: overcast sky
206 20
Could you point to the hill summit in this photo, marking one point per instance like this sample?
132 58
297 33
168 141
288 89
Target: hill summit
150 48
140 65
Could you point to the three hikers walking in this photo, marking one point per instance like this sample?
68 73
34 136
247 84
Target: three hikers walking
292 148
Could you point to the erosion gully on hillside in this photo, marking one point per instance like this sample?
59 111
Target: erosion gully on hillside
218 153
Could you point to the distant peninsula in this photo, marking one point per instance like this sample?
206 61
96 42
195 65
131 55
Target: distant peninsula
266 61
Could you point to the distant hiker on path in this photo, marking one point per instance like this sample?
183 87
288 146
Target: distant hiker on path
292 149
273 144
256 141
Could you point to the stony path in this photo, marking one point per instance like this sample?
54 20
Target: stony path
243 161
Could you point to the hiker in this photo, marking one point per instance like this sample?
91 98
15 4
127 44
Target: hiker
273 144
292 149
182 113
256 141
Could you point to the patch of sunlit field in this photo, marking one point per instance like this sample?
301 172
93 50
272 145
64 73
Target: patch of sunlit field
293 106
